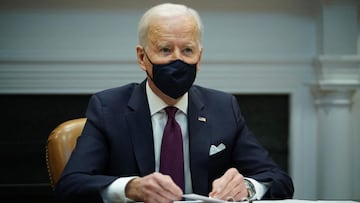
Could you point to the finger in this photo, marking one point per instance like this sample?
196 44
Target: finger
171 190
219 184
239 193
165 187
228 186
152 189
241 196
240 190
235 186
216 188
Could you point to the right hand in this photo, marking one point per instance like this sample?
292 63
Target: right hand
155 187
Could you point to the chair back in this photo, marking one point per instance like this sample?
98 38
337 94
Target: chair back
61 142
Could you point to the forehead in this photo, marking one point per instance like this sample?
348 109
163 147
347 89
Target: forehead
178 28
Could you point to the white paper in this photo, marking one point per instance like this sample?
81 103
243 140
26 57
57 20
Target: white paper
202 198
195 198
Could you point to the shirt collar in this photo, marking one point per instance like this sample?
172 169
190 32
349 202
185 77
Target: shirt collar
156 104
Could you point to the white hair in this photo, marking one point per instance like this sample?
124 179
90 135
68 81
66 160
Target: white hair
167 9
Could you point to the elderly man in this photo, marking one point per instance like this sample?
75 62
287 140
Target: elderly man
164 137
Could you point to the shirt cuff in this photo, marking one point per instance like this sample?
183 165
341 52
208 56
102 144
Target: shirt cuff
260 188
115 192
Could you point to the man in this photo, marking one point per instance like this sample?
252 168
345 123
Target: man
121 153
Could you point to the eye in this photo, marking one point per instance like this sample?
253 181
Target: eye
188 51
165 50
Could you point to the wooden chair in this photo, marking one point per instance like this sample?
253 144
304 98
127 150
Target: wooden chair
60 144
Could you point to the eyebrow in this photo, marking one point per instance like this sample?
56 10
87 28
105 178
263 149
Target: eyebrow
162 44
165 44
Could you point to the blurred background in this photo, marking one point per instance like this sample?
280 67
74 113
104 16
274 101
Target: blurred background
292 64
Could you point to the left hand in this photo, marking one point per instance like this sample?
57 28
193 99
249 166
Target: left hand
230 187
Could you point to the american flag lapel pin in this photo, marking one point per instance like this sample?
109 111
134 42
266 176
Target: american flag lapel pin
202 119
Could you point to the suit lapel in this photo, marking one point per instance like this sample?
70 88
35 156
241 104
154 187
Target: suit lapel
199 142
140 129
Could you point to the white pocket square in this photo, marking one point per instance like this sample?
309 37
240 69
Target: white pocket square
216 149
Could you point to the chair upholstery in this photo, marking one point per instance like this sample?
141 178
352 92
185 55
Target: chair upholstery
60 144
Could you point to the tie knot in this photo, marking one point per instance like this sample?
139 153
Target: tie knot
170 111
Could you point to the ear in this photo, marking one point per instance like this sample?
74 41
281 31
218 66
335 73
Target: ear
199 61
141 56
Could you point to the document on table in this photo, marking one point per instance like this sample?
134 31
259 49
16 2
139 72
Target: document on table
202 198
195 198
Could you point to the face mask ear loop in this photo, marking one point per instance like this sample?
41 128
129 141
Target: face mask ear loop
151 64
147 57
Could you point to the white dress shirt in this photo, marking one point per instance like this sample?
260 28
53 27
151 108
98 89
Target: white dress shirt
159 119
115 192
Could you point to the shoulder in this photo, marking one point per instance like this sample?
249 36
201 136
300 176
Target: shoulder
208 93
128 88
117 95
201 96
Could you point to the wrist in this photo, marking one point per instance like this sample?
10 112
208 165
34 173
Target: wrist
250 189
131 191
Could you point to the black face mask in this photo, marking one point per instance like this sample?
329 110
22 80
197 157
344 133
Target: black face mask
174 78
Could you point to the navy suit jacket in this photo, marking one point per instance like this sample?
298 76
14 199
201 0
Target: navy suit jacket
117 141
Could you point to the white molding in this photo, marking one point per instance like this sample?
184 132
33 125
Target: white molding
61 75
339 59
244 75
53 58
